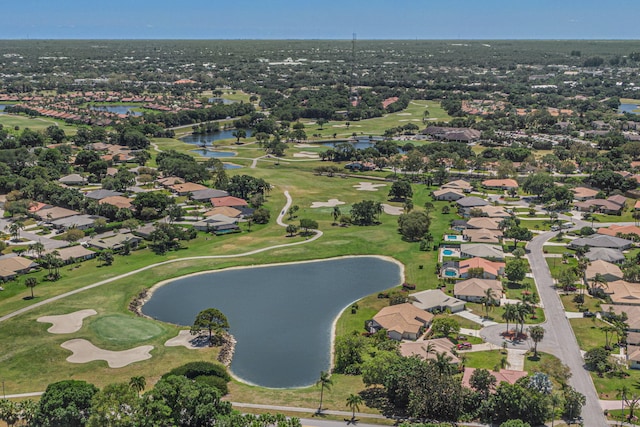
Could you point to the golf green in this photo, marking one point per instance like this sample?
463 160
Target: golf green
125 329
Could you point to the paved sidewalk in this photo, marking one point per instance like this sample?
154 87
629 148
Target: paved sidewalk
475 318
515 358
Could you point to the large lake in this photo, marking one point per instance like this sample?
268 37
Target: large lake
209 138
282 315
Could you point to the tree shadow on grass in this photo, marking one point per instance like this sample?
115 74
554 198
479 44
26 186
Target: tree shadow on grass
375 397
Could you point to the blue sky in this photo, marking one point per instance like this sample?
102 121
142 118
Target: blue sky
313 19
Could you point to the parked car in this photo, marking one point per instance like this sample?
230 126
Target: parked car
464 346
588 314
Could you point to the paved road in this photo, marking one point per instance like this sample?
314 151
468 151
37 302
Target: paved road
558 330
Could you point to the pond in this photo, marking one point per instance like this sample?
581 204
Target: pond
281 315
118 109
211 153
2 107
209 138
628 108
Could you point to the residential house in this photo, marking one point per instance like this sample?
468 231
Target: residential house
458 224
475 290
623 292
459 184
72 254
601 241
102 194
73 179
615 230
503 376
53 213
217 223
490 269
429 349
11 266
481 222
81 222
467 203
482 235
186 188
169 181
500 184
498 212
632 313
119 202
207 194
434 300
633 356
402 321
583 193
115 242
447 194
229 201
471 250
226 211
608 271
612 205
605 254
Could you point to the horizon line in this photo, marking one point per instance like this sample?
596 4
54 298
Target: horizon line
312 39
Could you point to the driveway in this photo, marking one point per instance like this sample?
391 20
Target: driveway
558 332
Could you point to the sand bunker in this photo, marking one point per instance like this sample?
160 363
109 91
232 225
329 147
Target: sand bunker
84 352
66 323
368 186
328 204
403 114
306 154
185 339
304 146
392 210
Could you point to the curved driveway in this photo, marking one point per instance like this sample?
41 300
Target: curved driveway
558 331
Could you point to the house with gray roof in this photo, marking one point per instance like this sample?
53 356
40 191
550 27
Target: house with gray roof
467 203
602 241
471 250
73 179
115 242
81 222
102 194
209 193
436 300
605 254
218 224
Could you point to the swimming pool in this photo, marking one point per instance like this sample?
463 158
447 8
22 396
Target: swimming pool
447 252
450 273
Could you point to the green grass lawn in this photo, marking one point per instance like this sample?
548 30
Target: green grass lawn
496 314
588 332
483 359
591 304
116 329
10 121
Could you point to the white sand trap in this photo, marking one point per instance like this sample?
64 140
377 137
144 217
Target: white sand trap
368 186
66 323
392 210
306 154
84 352
328 204
304 146
404 114
185 339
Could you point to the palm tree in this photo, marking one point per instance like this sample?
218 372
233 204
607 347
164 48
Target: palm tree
31 282
607 329
622 395
442 363
599 281
509 314
556 401
336 213
537 334
521 310
324 382
138 383
15 228
353 402
488 301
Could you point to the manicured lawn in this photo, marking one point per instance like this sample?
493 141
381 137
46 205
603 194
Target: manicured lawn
607 387
588 332
10 121
591 304
483 359
496 314
124 329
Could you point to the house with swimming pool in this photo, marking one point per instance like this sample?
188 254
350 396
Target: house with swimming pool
490 269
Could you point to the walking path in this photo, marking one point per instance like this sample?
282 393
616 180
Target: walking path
475 318
148 267
515 359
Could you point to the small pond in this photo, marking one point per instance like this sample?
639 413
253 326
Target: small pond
118 109
282 315
211 153
2 107
230 166
209 138
628 108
